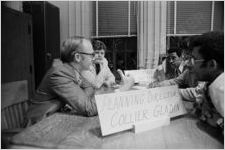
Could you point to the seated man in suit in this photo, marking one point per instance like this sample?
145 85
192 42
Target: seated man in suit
99 73
63 85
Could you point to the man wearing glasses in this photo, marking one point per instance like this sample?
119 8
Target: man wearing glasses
63 84
208 65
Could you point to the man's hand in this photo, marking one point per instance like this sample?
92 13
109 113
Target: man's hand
108 83
102 62
126 81
154 84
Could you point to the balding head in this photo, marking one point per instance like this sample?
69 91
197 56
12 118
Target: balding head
71 46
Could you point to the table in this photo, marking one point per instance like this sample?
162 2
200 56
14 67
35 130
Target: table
71 131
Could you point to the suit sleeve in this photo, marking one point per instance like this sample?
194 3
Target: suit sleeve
196 94
180 80
71 93
189 94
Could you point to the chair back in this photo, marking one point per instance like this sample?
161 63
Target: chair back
14 104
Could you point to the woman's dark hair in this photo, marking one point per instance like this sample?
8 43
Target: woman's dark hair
98 45
211 46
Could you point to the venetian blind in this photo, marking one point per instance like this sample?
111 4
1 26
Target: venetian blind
193 17
113 17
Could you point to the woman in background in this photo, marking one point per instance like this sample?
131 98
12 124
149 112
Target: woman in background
99 73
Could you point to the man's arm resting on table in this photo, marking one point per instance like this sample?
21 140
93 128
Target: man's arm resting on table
180 80
81 101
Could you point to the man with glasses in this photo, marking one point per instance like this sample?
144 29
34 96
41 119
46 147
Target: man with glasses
208 65
99 73
63 84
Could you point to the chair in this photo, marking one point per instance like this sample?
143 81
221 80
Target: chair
162 57
14 105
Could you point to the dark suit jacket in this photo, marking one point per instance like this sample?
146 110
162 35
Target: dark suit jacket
62 85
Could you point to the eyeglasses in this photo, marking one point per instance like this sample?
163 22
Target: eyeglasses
193 61
90 54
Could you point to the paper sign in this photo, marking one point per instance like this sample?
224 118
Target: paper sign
120 111
143 75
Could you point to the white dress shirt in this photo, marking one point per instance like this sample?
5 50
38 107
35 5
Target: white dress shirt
216 93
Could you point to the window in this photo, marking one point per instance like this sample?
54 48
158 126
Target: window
114 19
193 17
115 24
187 18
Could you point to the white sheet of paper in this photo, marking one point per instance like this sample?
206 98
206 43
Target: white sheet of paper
120 111
142 75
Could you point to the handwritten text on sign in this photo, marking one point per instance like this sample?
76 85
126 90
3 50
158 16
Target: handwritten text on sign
119 111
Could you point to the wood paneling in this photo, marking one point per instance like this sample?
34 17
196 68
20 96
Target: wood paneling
46 35
16 48
17 67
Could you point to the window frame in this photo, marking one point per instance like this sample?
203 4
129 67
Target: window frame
175 21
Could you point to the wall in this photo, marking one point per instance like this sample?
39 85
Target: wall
64 18
75 18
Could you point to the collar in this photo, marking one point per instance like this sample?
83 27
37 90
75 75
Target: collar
218 82
181 67
216 93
